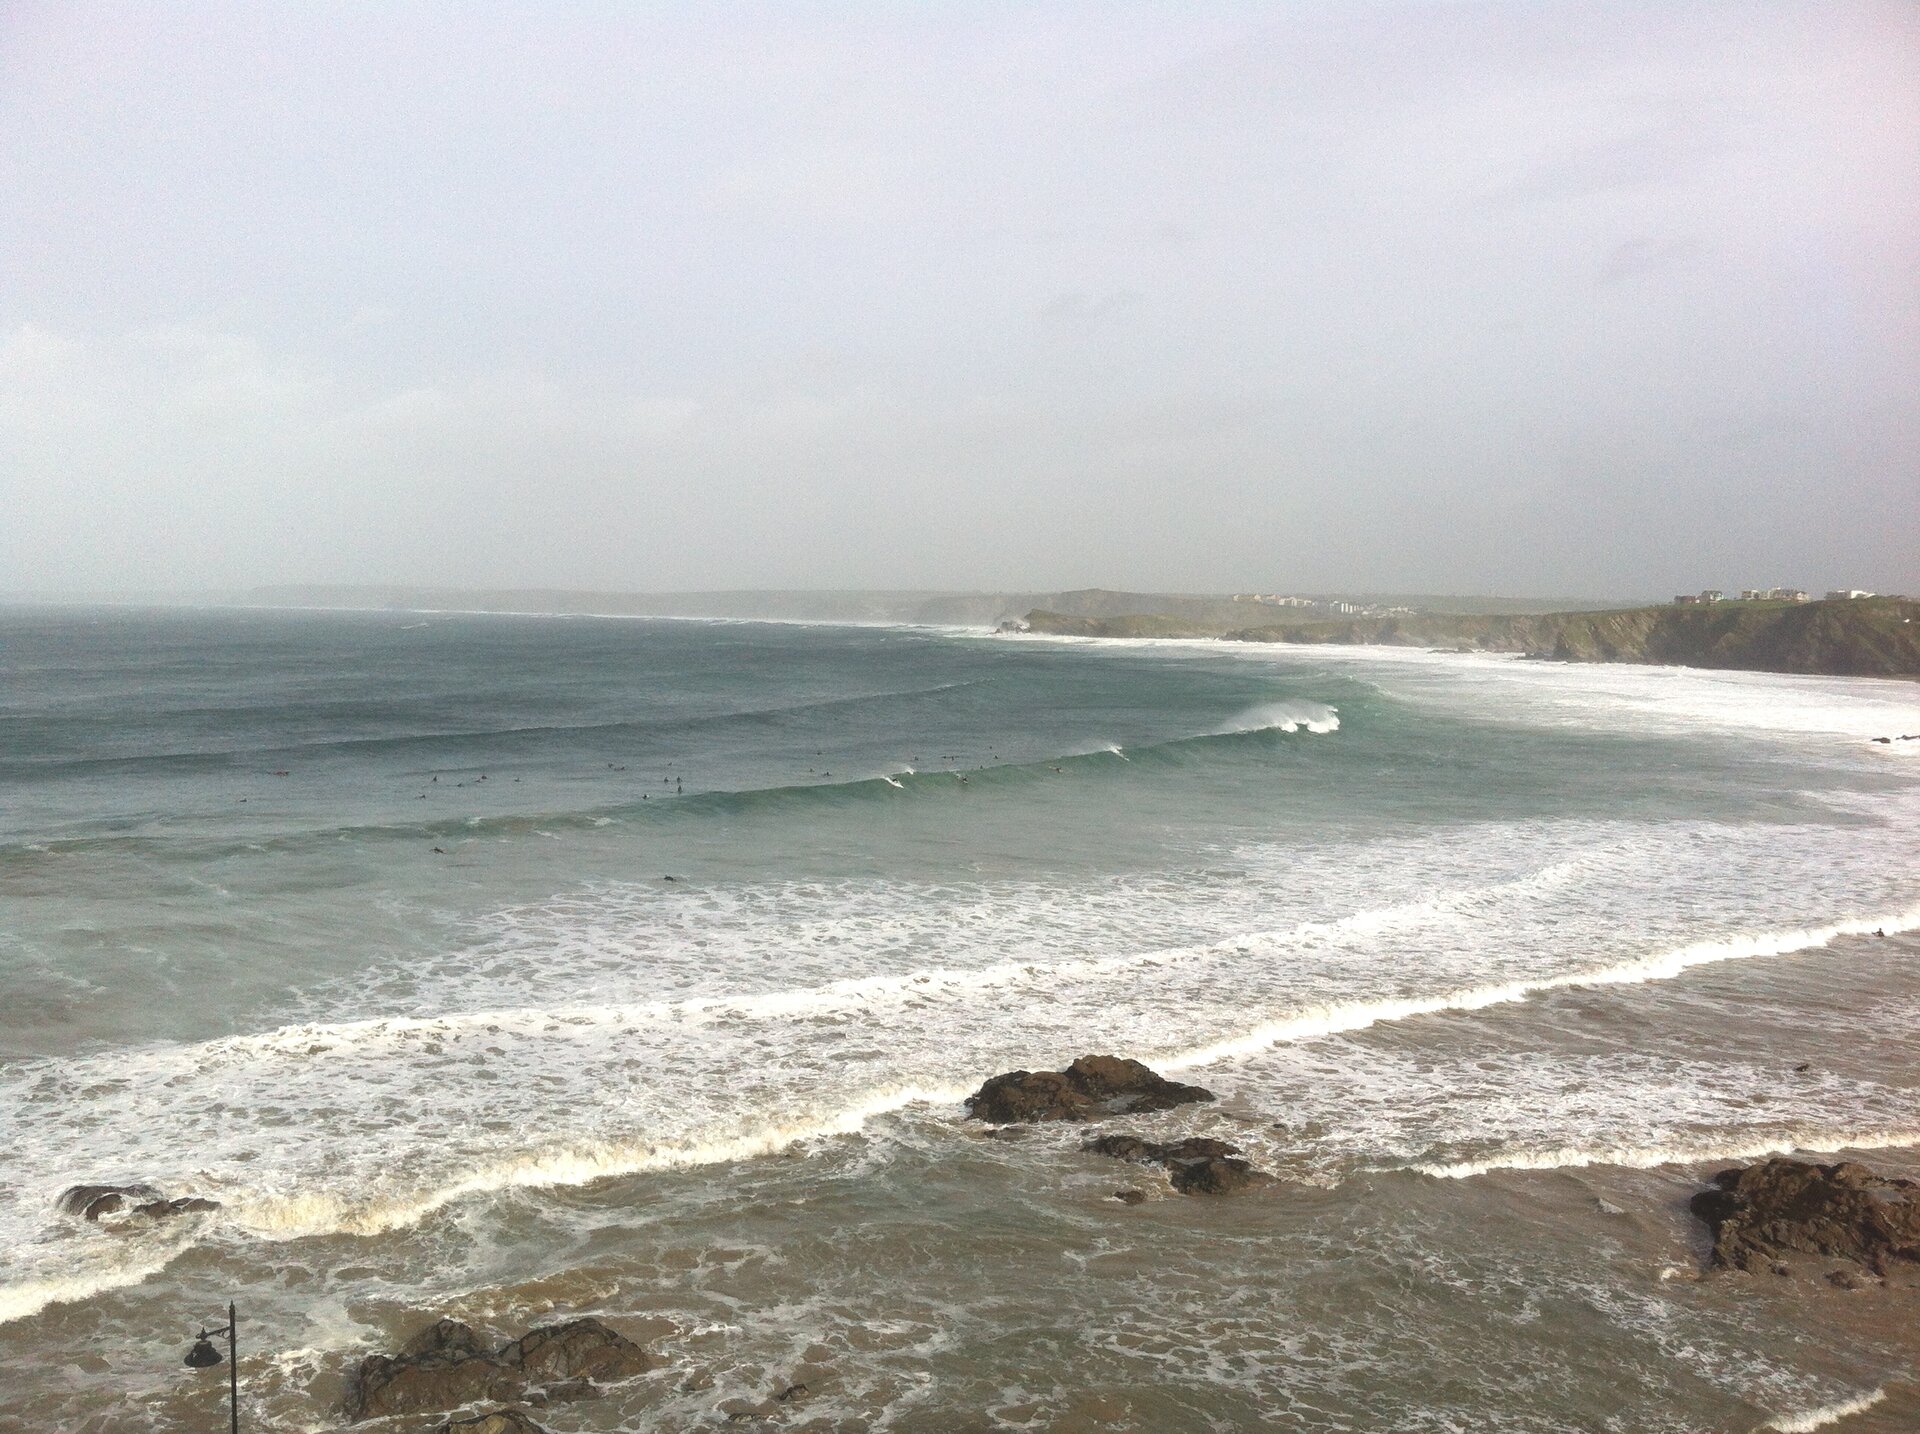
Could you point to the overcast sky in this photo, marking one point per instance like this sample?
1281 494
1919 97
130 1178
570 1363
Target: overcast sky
1549 299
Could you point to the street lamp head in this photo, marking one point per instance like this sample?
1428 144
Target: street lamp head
203 1355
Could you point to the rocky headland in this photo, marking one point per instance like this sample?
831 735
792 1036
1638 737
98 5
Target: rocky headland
1870 637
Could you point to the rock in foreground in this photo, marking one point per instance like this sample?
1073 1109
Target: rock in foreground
1089 1089
1777 1207
447 1365
1196 1166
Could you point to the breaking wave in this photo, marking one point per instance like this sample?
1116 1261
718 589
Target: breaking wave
1289 716
1339 1017
1808 1421
1646 1157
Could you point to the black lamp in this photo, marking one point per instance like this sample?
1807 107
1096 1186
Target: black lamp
203 1355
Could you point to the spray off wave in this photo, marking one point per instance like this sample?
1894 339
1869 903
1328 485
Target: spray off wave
1284 716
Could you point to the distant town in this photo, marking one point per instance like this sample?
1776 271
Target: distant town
1712 595
1332 609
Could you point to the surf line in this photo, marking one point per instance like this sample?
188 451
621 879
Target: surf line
1339 1017
1645 1157
1812 1419
283 1217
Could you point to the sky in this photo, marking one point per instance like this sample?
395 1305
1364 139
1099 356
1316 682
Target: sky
1524 298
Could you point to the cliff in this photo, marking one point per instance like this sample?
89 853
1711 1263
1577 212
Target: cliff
1874 637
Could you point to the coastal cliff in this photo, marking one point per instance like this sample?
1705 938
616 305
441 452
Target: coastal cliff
1873 637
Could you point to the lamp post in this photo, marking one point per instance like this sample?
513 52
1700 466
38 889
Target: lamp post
204 1356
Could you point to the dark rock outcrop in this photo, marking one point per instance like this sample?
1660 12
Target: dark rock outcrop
447 1365
1845 1211
91 1202
1195 1166
494 1421
1089 1089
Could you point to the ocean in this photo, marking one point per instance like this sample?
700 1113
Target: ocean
513 968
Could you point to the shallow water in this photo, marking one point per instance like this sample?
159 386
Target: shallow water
362 925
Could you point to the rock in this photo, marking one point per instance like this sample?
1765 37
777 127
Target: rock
447 1365
1092 1087
1843 1211
427 1384
91 1202
1130 1196
446 1337
1195 1166
581 1348
494 1421
185 1205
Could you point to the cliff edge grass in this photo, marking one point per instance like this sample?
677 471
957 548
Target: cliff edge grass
1861 637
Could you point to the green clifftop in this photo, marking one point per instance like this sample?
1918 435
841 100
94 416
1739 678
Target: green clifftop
1872 637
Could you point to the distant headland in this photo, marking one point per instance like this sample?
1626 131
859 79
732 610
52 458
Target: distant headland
1841 636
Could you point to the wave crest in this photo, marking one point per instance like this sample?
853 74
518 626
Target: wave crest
1290 715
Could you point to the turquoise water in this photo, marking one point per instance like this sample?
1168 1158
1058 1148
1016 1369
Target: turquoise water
510 965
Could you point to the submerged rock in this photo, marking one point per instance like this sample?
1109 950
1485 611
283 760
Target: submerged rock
1195 1166
1090 1088
1845 1211
92 1202
447 1365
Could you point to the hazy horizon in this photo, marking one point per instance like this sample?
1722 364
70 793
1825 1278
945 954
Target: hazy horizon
1469 298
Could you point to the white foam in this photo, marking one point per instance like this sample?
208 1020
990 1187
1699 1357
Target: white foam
622 1028
117 1266
1805 1423
1606 696
297 1216
863 993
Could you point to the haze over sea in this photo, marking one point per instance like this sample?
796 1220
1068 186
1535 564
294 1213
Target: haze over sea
513 967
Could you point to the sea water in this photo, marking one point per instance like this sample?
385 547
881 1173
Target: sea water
518 967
